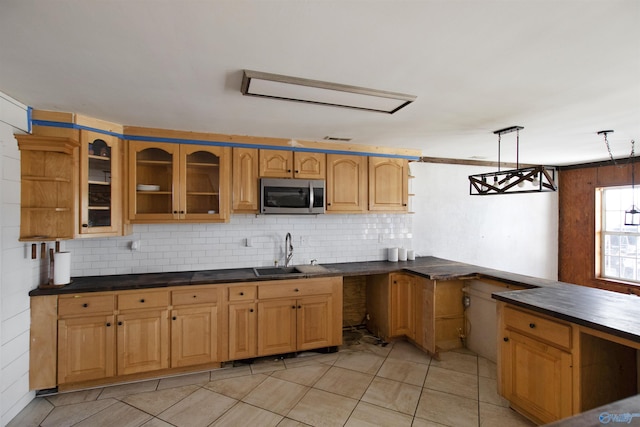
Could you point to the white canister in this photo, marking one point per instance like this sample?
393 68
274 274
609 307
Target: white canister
392 254
61 268
411 255
402 254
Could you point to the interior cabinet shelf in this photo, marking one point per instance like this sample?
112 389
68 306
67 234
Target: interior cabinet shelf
99 183
45 179
44 209
200 193
204 165
99 208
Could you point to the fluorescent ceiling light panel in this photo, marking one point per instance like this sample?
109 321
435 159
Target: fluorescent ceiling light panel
256 83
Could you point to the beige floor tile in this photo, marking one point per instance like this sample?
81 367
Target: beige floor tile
403 371
459 362
230 372
487 368
125 415
360 361
199 378
155 402
246 415
419 422
320 408
488 392
288 422
367 415
74 397
276 395
200 408
404 350
156 422
452 382
305 375
311 358
267 366
499 416
393 395
448 409
33 414
344 382
69 415
127 389
236 387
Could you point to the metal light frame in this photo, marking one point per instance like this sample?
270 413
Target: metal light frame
287 88
532 179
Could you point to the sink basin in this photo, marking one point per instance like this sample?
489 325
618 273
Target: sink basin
275 271
289 271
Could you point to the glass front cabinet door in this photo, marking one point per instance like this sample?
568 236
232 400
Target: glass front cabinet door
176 182
100 185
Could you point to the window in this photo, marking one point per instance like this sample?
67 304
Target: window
619 254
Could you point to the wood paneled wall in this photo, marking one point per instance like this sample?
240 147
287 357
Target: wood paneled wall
577 222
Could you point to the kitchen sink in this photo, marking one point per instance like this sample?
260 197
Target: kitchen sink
301 270
276 271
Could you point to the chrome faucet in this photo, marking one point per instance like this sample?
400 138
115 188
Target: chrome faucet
288 250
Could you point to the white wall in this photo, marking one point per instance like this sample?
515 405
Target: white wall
18 275
515 232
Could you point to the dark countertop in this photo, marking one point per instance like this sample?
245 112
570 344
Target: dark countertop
622 412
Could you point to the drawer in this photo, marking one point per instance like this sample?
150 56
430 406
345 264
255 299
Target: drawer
79 304
294 289
242 293
138 300
195 296
539 327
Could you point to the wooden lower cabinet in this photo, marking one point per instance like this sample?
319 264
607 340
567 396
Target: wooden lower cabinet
243 324
536 365
536 377
402 305
86 348
194 336
143 341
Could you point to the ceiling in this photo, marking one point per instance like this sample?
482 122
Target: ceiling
563 69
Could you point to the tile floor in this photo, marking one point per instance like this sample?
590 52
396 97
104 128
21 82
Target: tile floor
363 384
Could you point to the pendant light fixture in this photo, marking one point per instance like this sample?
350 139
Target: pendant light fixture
631 215
533 179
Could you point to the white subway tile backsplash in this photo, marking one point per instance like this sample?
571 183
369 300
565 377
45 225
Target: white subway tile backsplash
185 247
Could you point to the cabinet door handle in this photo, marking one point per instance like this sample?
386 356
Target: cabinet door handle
293 307
175 212
251 310
108 324
174 318
288 170
85 305
181 212
297 171
328 204
119 323
85 225
532 325
505 339
299 306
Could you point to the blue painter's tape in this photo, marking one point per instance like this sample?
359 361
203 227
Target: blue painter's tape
29 119
216 143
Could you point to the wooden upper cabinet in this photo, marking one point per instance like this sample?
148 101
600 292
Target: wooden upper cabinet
48 187
388 184
245 180
289 164
346 183
173 182
100 185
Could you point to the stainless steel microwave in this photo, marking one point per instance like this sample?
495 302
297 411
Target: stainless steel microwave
291 196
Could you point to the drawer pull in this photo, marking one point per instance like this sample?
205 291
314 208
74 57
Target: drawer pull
142 300
532 325
505 339
296 290
85 305
195 296
108 324
241 293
